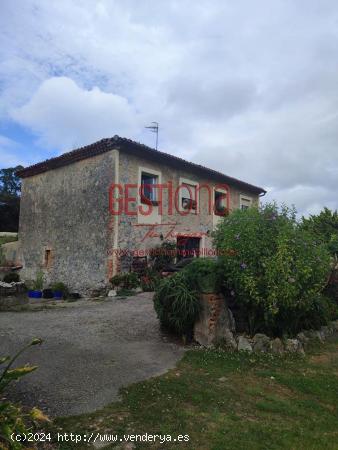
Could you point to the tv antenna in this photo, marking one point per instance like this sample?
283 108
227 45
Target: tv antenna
154 128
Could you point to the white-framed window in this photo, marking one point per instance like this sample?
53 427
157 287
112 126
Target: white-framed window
188 195
149 180
245 202
220 202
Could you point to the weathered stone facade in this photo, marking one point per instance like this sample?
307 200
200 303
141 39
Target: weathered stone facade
134 230
67 231
65 211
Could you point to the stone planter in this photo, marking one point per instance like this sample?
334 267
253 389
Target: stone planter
216 324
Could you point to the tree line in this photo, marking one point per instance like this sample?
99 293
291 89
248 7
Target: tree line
10 189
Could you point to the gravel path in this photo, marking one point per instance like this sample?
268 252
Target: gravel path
90 350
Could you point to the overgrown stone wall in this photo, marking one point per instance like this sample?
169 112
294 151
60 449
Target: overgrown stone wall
216 328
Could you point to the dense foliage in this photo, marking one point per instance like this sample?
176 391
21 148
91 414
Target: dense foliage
10 183
204 275
38 282
126 280
274 270
11 276
12 417
10 186
325 227
149 280
61 287
177 304
163 255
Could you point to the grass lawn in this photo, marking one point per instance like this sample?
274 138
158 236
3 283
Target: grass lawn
229 401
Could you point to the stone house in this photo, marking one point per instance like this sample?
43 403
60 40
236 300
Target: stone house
92 212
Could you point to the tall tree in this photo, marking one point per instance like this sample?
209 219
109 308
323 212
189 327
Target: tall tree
325 227
10 183
10 186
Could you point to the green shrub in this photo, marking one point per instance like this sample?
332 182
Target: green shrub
325 227
125 292
12 417
274 270
38 282
149 280
203 273
163 255
12 276
128 280
62 287
176 304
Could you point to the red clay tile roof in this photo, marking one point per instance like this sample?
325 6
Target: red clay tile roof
132 147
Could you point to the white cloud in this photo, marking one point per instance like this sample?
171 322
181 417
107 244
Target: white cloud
248 88
8 156
65 116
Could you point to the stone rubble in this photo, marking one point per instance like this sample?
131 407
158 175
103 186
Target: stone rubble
216 328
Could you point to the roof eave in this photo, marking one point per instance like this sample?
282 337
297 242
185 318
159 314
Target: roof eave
130 146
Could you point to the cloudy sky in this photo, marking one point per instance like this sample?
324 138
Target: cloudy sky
246 87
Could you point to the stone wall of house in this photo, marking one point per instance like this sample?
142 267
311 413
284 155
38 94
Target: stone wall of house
64 221
67 231
133 229
11 252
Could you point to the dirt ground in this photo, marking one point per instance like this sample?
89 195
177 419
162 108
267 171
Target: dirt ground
90 350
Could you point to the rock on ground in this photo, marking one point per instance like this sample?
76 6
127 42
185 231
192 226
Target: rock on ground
261 343
244 344
294 346
277 346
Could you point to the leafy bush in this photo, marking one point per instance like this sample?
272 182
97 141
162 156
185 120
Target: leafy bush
12 276
38 282
128 280
163 255
203 273
149 280
325 226
62 287
12 417
177 304
273 269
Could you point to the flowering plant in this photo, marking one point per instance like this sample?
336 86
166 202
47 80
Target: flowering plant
277 273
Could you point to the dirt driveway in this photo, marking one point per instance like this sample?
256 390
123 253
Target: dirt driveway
90 350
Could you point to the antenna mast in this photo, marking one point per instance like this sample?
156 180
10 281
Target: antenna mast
154 128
